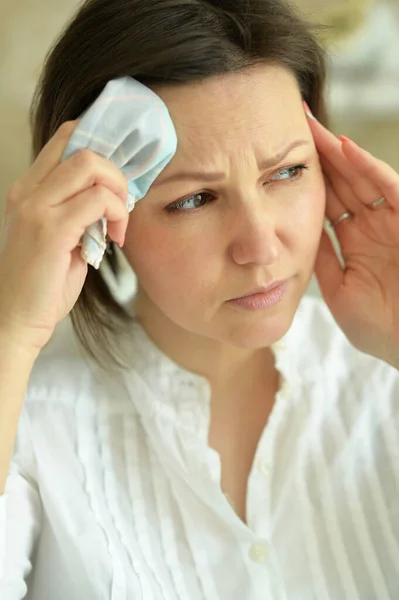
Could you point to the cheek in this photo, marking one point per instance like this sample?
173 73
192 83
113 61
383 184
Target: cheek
162 258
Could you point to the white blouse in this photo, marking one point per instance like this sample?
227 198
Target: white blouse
114 493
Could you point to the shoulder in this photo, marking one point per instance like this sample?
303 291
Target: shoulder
62 370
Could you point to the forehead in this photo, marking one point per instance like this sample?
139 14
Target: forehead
263 98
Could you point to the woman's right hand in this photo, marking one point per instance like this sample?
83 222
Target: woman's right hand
47 211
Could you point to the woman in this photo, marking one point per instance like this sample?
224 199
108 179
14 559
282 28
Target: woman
247 448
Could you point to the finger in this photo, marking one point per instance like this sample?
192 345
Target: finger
382 179
360 172
328 271
331 147
79 172
88 207
50 156
363 188
334 206
335 209
341 192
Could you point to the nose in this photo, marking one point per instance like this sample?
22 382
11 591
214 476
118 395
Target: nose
254 234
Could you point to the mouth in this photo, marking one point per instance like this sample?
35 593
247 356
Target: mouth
261 289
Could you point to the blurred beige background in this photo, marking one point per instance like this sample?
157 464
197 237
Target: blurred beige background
363 87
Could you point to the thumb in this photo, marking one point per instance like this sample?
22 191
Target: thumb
328 270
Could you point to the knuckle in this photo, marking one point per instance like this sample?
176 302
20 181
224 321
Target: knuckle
104 197
85 159
66 128
100 193
98 196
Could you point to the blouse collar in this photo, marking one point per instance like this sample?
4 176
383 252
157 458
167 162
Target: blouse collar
177 396
174 408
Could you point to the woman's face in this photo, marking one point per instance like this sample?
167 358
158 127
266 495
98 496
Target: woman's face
248 226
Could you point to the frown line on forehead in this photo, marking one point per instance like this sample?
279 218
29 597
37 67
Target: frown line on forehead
267 163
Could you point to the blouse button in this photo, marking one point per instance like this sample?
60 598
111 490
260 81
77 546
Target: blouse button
258 553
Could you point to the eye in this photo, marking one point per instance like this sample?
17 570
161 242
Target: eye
196 198
296 169
294 173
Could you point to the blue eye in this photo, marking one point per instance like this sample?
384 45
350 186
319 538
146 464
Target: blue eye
297 170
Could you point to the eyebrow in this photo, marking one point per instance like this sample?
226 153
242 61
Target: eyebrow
265 164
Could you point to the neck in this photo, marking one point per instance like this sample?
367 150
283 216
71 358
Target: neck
229 369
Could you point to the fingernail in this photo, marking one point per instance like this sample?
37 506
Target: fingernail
308 111
122 243
343 138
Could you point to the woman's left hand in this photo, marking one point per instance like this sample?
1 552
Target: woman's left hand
364 296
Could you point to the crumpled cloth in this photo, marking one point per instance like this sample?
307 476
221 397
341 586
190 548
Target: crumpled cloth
131 126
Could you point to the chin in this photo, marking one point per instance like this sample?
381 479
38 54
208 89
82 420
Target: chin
262 328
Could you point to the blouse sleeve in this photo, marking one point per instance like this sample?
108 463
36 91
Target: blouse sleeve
20 518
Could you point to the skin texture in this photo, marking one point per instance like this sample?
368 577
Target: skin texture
252 226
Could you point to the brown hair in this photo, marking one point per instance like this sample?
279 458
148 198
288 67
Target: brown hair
161 41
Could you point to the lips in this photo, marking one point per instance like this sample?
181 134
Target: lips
262 289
